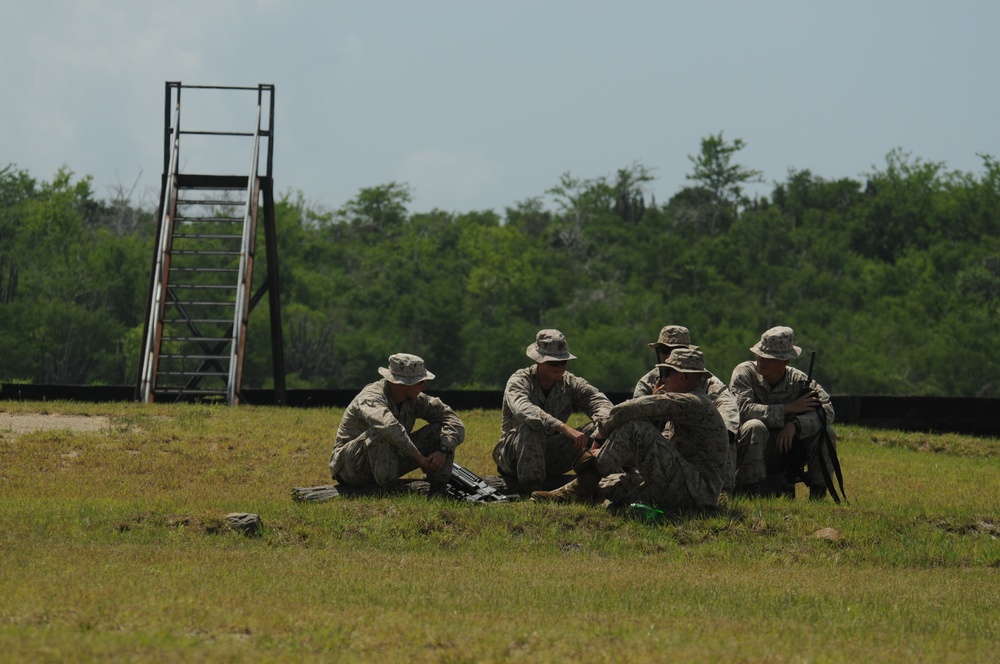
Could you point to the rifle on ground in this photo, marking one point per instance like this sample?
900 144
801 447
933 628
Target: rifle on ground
466 485
463 485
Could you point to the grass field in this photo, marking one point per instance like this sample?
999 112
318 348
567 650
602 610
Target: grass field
113 546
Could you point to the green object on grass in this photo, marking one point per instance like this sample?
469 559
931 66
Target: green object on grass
644 512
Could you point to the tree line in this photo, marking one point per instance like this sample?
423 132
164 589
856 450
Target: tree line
894 280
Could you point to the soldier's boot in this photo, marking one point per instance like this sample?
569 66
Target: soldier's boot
580 490
817 492
751 490
776 486
437 489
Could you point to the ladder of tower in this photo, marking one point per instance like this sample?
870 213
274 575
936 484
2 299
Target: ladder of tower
200 291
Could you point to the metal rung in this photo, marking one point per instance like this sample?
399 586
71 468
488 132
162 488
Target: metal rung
216 133
203 321
206 286
193 220
192 374
225 339
203 304
180 390
207 236
208 201
176 356
227 270
202 252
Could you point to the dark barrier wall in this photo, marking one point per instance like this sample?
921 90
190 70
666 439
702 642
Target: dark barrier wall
980 417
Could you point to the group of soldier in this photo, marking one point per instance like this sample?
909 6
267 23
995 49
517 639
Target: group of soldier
683 440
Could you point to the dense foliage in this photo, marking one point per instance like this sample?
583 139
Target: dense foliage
895 282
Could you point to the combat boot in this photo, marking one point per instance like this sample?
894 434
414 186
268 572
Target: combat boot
751 490
437 489
817 492
580 490
573 492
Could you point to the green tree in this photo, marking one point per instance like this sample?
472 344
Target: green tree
722 179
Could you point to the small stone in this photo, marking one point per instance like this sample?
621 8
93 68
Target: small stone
248 524
829 534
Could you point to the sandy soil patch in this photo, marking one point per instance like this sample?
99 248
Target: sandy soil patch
19 424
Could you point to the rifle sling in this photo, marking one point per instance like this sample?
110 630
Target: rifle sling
831 452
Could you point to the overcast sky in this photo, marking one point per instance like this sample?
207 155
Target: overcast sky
478 105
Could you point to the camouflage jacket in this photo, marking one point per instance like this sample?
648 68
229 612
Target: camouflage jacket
373 408
694 427
525 402
716 390
759 401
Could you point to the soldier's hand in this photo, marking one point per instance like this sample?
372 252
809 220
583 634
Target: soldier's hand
805 403
578 437
785 438
435 461
423 462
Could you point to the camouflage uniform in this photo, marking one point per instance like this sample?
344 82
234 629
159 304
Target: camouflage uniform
682 465
531 447
678 336
763 417
723 400
375 439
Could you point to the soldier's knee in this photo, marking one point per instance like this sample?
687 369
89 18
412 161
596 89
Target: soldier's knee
753 432
385 474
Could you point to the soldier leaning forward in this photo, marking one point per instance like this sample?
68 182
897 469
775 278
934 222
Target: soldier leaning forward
680 466
678 336
375 440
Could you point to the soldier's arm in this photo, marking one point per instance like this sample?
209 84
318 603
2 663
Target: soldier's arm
725 403
518 399
432 409
657 407
742 387
380 418
645 385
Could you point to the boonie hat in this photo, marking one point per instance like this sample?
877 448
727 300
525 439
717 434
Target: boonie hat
685 360
405 369
777 344
673 335
550 345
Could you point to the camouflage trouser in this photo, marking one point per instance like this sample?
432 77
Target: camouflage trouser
759 456
732 464
667 479
532 456
370 458
750 445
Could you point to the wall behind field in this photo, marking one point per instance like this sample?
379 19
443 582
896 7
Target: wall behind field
970 416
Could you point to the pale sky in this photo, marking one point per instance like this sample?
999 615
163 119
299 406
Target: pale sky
479 105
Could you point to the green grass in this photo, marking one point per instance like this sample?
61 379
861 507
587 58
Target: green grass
113 546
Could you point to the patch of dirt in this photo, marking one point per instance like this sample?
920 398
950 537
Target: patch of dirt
15 425
987 525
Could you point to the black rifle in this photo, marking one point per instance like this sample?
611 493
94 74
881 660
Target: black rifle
466 485
797 460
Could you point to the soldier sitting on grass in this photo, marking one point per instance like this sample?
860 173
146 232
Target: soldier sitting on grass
782 427
678 336
680 466
375 441
535 442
